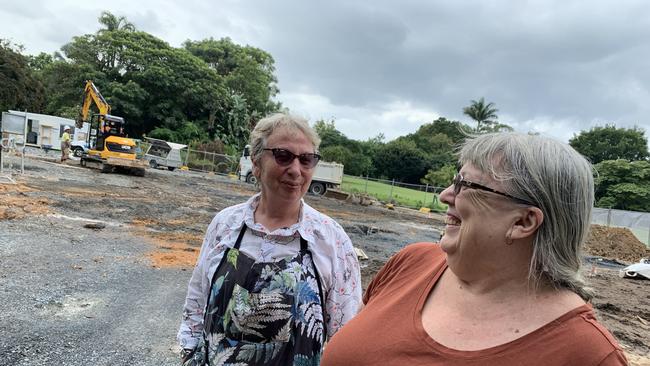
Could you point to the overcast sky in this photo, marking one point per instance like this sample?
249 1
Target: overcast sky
554 67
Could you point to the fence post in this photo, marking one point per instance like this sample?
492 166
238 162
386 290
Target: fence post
391 189
366 184
213 167
205 157
609 216
426 189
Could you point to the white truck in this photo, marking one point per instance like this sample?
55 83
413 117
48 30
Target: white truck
326 175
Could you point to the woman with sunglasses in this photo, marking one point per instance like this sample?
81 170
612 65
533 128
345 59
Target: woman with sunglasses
503 286
275 278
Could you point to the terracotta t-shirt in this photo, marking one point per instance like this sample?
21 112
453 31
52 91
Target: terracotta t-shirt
389 331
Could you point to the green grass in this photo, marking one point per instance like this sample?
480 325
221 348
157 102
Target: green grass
402 196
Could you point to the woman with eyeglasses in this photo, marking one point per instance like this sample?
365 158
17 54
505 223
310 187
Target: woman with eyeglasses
503 286
275 278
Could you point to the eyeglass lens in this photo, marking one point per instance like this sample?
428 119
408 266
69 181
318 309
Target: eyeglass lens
285 157
456 183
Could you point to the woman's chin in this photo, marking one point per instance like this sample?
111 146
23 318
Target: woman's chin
449 243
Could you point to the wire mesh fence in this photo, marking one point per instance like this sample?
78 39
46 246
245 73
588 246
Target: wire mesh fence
209 162
419 195
403 194
11 143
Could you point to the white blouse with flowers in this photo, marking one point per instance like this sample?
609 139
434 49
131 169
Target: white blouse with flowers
330 246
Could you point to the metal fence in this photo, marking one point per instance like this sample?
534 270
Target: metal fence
12 140
209 162
637 222
405 194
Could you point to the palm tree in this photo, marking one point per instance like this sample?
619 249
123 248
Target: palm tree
113 23
484 114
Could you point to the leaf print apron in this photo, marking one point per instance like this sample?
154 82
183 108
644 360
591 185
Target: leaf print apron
263 313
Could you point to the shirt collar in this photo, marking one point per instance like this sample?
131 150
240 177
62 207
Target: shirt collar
249 218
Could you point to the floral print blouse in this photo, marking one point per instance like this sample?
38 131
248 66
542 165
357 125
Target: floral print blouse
332 250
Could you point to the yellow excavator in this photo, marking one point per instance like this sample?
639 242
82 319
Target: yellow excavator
109 148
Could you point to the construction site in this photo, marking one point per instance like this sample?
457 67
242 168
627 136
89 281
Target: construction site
95 266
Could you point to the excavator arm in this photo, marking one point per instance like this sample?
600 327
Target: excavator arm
91 95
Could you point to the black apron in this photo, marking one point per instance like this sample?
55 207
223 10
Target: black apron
263 313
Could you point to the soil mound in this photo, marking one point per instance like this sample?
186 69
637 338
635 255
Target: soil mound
615 243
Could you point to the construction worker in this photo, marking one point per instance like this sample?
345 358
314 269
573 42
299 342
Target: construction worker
65 144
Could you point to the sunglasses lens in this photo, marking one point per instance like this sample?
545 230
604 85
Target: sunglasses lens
283 157
309 160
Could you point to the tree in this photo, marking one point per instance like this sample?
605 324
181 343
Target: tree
354 163
329 135
246 71
484 114
149 83
235 130
441 177
401 160
623 185
64 82
114 23
437 148
611 143
210 89
336 153
354 155
20 89
456 131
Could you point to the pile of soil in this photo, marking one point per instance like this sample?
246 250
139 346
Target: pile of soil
615 243
16 203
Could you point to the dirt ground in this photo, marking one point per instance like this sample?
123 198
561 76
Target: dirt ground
95 266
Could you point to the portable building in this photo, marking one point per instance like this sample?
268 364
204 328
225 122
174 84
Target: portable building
41 130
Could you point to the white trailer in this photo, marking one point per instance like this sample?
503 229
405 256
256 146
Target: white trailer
326 174
42 130
164 154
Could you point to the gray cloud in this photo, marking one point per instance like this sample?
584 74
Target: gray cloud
548 65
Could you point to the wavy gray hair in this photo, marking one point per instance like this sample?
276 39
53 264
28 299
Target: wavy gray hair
266 126
559 181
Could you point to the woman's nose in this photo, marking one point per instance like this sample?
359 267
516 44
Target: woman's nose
295 166
447 196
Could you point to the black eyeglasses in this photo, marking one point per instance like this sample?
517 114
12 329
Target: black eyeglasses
285 157
460 182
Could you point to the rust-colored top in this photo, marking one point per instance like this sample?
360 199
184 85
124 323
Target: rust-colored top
389 331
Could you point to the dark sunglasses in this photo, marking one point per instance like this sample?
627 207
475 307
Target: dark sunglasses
460 182
285 158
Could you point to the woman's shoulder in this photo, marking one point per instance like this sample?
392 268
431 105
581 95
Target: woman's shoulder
413 258
421 251
585 322
318 221
416 259
408 268
580 332
230 216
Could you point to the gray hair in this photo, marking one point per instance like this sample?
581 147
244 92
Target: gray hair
266 126
559 181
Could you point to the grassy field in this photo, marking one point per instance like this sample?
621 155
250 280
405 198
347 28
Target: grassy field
402 196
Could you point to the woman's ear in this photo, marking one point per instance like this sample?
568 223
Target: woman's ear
527 224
